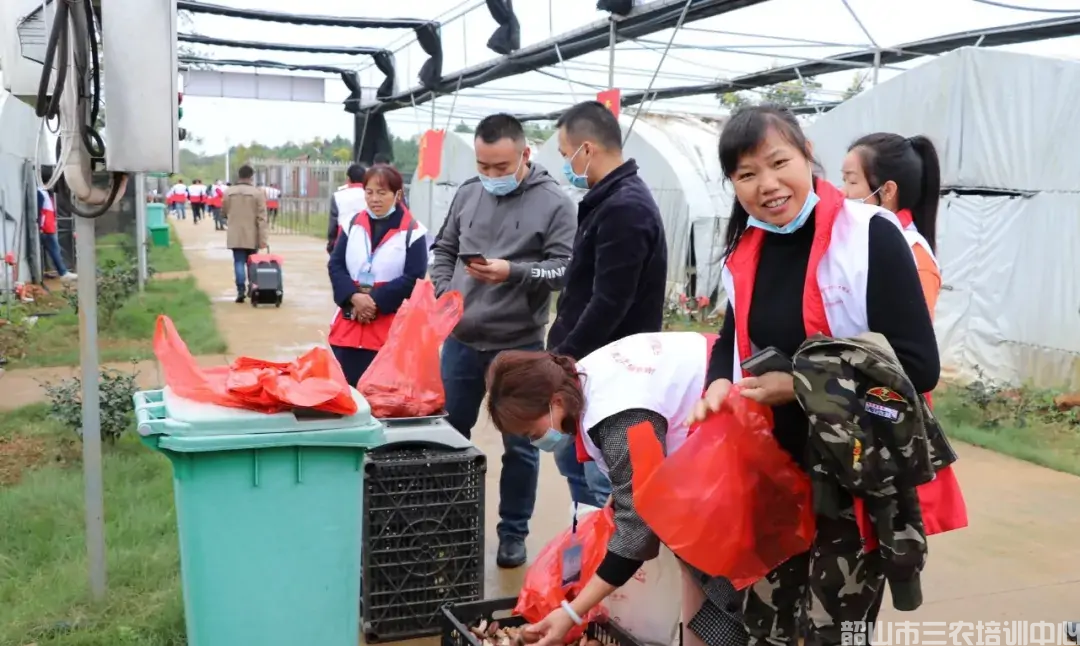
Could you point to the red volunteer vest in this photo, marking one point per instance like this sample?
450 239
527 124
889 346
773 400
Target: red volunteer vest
942 502
48 213
579 439
215 198
348 333
197 198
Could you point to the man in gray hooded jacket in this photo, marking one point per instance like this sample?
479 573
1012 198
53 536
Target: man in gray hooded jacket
505 246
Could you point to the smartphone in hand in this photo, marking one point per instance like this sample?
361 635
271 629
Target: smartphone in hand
472 258
768 360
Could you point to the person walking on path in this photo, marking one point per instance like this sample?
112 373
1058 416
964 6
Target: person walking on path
505 246
244 210
50 239
345 204
616 281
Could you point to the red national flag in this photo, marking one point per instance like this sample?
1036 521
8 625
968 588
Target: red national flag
612 100
429 160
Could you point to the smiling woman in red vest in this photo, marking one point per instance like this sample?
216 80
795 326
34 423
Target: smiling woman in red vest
373 268
799 260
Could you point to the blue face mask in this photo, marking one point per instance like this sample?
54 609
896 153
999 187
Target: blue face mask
371 214
550 441
812 200
500 186
552 438
577 181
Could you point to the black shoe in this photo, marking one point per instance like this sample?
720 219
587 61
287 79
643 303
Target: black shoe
239 298
511 553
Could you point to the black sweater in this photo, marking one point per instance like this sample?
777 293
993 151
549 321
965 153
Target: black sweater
617 277
896 309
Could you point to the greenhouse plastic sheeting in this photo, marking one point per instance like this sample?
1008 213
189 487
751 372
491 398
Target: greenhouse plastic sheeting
1001 120
1010 303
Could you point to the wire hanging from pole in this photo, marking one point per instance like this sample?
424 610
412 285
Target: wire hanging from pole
1003 5
675 32
566 74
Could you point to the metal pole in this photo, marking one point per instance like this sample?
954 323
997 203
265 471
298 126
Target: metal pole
612 40
877 65
91 419
140 226
431 181
663 57
228 154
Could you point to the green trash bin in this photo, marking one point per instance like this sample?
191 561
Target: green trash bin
155 215
269 514
159 235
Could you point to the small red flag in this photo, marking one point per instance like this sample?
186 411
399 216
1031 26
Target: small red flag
612 100
429 159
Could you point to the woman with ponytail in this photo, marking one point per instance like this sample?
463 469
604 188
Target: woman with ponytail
373 268
901 175
551 400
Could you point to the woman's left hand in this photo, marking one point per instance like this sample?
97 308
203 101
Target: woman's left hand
771 388
549 631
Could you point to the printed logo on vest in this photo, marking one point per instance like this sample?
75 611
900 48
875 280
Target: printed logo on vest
834 294
884 394
882 411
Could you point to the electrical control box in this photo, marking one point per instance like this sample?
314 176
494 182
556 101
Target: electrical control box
24 31
141 85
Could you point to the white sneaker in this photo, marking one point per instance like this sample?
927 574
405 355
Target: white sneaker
70 276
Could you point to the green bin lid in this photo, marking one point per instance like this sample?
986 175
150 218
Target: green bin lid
184 425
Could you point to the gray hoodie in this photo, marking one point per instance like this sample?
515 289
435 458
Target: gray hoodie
533 229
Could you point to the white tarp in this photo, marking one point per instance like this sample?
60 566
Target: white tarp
1010 303
18 224
1011 287
677 159
1000 120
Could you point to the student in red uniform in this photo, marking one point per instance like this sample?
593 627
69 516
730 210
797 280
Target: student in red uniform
801 259
273 201
50 239
177 199
375 263
214 197
197 196
345 203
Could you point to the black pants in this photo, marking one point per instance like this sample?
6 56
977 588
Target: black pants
196 211
353 361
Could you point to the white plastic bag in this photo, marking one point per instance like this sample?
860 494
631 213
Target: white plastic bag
650 604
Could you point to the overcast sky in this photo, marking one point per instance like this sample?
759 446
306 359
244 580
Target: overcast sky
464 44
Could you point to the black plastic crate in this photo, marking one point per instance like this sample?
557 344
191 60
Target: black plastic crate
423 539
458 618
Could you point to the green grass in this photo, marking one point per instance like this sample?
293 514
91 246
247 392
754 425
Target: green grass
44 596
54 340
311 224
1019 423
118 246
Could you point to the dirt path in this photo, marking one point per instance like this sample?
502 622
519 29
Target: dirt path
1019 559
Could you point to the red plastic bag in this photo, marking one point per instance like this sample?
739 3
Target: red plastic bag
730 502
543 589
313 380
404 380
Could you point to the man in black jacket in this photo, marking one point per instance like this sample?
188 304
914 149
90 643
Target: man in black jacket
617 277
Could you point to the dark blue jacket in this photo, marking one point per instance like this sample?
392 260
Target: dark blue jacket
617 278
388 297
